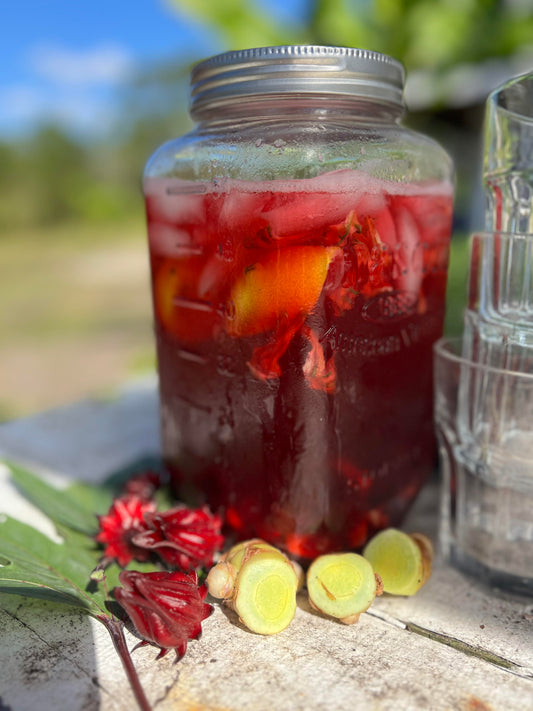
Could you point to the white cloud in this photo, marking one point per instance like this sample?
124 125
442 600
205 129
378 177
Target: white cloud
84 110
72 87
105 64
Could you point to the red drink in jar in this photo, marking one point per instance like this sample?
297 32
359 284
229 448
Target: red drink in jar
299 244
294 325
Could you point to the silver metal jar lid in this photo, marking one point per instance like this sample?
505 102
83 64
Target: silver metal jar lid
297 69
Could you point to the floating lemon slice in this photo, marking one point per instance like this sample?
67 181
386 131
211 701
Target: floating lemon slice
282 284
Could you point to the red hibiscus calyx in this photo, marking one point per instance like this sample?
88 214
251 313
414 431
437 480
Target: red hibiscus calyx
143 485
166 608
319 373
124 520
133 529
183 537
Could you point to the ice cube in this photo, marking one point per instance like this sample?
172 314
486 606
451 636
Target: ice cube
165 203
239 211
408 254
171 241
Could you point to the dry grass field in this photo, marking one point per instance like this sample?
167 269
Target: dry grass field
76 314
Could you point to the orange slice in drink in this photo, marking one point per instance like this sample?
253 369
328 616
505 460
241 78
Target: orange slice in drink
282 285
183 309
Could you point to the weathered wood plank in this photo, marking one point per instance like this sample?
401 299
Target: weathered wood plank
455 645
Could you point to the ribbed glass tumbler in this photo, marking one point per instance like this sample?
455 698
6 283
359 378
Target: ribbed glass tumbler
486 452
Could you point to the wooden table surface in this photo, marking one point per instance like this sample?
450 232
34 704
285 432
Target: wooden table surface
455 645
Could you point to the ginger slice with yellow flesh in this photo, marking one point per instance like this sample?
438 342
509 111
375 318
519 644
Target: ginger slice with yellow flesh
342 585
403 561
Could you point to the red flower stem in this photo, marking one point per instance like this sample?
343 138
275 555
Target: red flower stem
116 630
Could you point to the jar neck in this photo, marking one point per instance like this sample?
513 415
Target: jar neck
321 108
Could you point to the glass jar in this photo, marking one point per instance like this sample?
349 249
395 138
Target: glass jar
299 242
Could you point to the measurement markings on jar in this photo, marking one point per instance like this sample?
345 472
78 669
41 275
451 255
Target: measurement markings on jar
188 189
364 346
191 356
193 304
186 250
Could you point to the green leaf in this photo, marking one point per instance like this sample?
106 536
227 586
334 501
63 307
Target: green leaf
36 566
240 22
75 510
78 506
32 565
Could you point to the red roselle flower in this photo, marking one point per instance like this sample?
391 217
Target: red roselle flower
124 520
143 485
319 373
183 537
167 608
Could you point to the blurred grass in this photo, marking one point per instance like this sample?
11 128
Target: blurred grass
457 284
56 281
76 313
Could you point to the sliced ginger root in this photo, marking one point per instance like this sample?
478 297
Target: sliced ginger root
403 561
237 554
259 583
265 592
342 585
221 578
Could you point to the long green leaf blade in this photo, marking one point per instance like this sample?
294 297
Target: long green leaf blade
77 506
35 566
60 506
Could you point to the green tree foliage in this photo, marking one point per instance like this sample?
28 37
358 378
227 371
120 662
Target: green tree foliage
10 176
425 34
154 109
241 23
51 177
56 173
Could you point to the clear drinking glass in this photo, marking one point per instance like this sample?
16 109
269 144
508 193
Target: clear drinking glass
508 160
486 450
499 314
484 381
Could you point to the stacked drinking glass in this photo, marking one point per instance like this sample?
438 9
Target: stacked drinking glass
484 381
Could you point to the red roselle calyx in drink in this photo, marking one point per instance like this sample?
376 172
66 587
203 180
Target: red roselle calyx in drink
295 316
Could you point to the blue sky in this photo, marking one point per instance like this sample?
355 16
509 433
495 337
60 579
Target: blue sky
65 59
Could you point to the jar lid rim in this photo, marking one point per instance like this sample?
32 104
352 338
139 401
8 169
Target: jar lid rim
304 69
